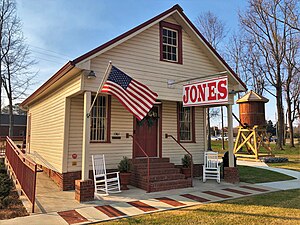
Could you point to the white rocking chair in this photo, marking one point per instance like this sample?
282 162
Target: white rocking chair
105 183
211 168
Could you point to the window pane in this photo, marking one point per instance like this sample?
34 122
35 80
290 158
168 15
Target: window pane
174 57
174 42
173 50
165 32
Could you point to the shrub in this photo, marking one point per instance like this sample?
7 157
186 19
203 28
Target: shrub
124 165
7 201
275 159
2 167
5 185
186 161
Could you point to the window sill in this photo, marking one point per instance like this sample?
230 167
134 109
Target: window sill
98 142
169 61
187 142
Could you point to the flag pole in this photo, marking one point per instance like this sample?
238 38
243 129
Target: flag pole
107 72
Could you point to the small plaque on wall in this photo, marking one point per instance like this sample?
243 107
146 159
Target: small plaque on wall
116 136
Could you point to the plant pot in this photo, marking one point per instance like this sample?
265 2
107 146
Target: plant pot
186 172
125 180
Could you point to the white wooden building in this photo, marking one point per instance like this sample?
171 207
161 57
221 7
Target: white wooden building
166 47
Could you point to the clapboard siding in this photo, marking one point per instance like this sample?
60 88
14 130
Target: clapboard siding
140 58
169 125
47 124
122 122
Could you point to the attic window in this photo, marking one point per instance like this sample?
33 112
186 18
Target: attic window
170 42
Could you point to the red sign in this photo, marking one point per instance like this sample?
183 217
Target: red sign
208 92
74 156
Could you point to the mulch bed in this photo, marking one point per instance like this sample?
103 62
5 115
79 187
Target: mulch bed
14 209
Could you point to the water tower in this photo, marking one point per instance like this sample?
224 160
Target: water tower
252 134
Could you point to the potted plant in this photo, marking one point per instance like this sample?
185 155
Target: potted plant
124 168
186 166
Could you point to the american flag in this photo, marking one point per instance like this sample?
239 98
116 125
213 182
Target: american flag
135 96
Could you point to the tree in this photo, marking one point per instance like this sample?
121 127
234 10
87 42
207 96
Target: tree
269 37
214 30
292 82
15 56
270 128
16 109
244 58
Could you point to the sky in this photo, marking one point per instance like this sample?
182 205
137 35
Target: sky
61 30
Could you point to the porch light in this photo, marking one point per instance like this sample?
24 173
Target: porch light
91 74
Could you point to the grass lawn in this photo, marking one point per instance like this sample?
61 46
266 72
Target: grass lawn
272 208
254 175
293 154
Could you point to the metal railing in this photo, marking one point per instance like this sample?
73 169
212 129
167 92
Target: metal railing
23 170
148 160
192 163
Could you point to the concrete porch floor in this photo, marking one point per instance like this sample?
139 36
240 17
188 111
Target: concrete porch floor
50 199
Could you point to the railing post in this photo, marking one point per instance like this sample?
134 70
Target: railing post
192 170
192 163
148 176
148 161
34 188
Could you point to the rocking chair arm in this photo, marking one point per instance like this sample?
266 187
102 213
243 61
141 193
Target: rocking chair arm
113 173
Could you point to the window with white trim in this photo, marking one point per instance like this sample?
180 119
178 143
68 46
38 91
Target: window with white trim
186 123
170 44
99 119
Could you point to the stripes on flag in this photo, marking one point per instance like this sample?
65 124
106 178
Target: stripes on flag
135 96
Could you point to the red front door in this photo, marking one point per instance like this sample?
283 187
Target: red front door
146 135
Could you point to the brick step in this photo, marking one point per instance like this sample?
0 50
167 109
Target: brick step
162 177
141 185
154 165
145 160
168 185
158 171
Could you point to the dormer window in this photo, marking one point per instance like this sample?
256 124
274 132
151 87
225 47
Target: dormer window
170 42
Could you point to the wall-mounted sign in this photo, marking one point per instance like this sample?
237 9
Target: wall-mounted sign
208 92
74 156
116 135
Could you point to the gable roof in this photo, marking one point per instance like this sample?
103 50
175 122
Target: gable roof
96 51
155 19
